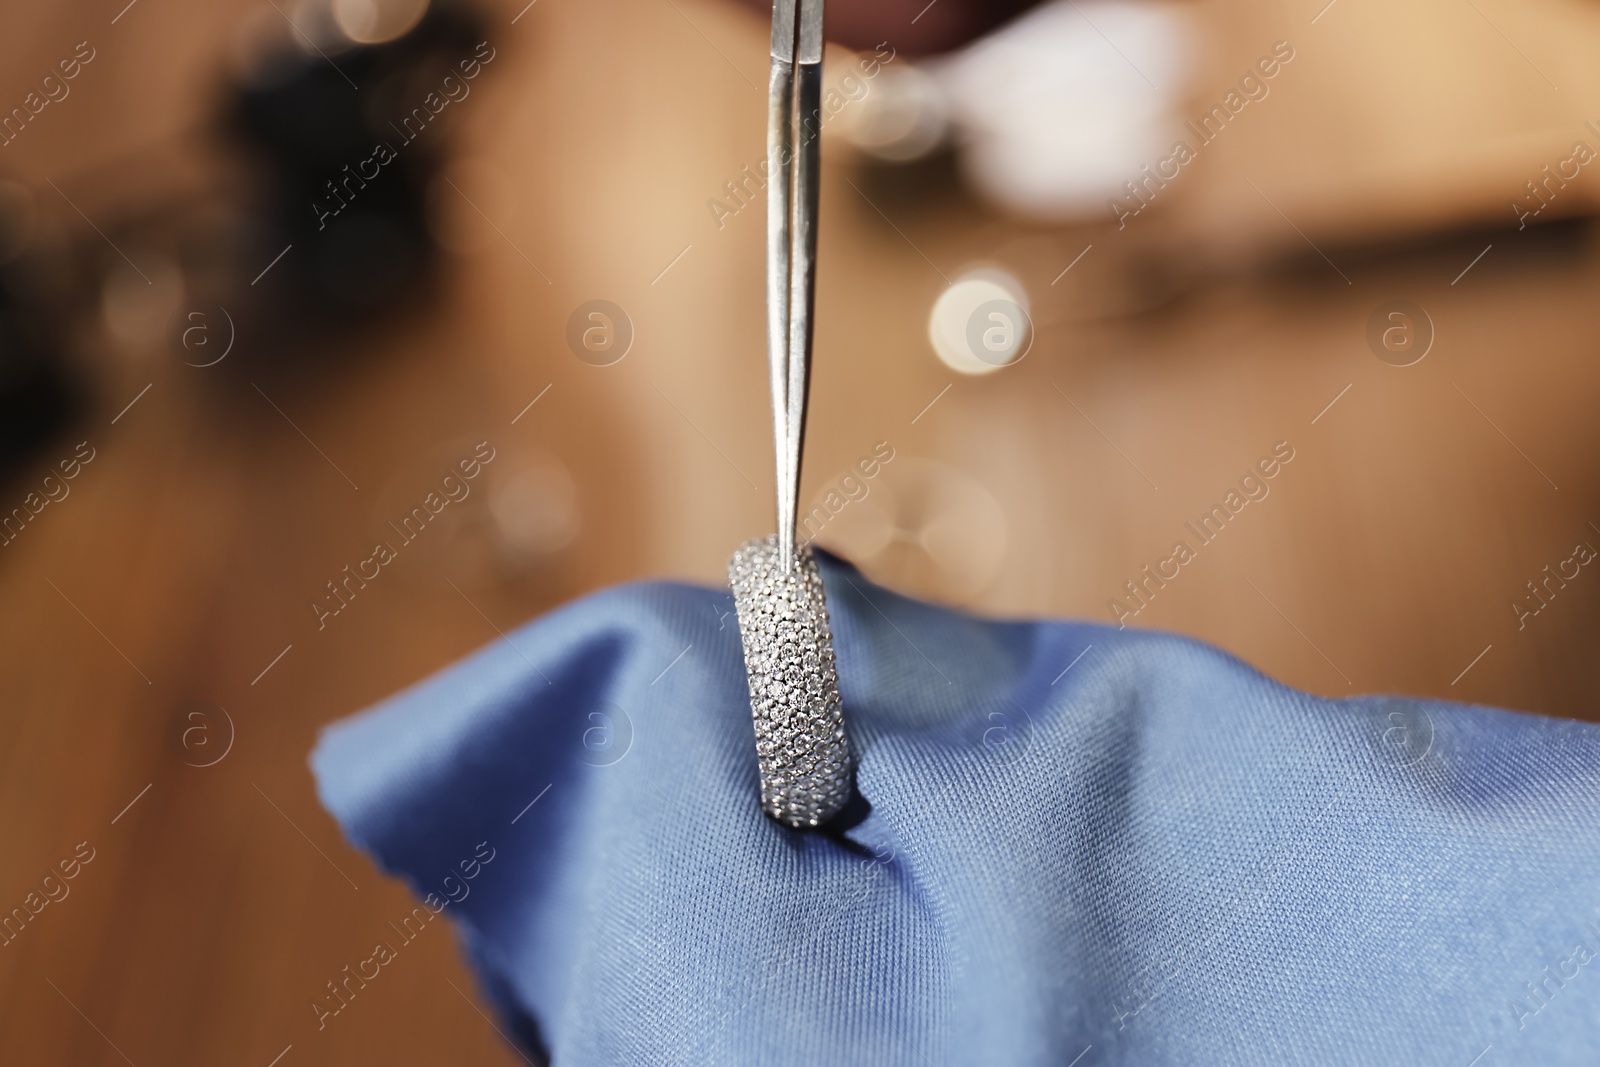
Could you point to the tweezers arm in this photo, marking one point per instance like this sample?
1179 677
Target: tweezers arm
780 210
794 153
802 289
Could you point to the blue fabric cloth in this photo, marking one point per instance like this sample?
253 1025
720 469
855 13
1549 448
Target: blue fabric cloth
1076 842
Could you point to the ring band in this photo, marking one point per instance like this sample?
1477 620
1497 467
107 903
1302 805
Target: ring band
801 747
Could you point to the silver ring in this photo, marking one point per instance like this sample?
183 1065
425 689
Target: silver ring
801 747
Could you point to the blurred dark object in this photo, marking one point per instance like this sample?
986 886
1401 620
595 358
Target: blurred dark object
914 27
38 395
341 175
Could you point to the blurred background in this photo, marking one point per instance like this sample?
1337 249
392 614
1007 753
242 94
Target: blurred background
282 281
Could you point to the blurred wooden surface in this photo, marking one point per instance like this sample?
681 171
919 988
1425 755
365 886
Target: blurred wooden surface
184 560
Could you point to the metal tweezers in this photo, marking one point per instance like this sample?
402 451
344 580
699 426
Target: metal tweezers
794 155
802 748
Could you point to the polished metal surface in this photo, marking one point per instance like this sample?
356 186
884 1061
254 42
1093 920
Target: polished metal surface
794 153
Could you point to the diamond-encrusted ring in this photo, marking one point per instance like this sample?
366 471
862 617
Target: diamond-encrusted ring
804 756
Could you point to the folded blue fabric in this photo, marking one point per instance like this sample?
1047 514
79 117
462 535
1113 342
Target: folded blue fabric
1075 846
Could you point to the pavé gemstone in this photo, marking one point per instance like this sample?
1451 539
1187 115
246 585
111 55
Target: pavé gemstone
794 696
